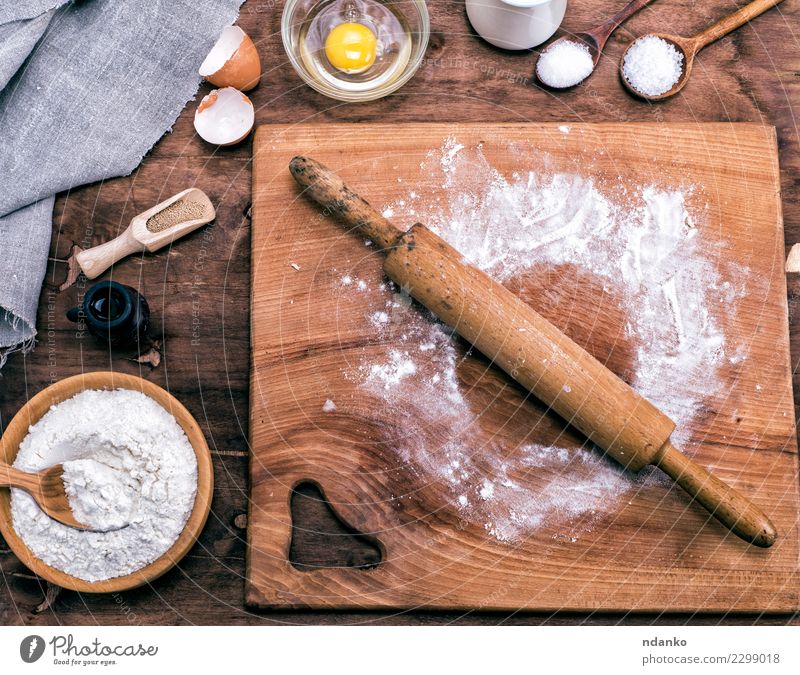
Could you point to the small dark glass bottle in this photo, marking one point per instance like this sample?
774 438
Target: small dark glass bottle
114 314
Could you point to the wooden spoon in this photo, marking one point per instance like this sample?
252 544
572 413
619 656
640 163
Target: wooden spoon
142 235
47 488
595 39
689 46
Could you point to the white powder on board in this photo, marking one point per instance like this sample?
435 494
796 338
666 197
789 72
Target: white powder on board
125 432
564 64
389 374
640 241
351 281
652 65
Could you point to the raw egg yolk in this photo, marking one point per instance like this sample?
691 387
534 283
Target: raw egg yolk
351 47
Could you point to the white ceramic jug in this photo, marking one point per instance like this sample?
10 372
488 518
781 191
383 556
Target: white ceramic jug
516 24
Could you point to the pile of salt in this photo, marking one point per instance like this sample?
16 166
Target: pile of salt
564 64
652 66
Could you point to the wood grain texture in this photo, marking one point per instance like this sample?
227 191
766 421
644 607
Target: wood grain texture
309 334
596 38
691 45
199 290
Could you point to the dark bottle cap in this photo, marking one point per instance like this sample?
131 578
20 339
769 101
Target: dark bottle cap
114 314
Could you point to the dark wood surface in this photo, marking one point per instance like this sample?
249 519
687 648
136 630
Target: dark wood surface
199 291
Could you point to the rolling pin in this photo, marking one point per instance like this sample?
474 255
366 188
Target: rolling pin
530 349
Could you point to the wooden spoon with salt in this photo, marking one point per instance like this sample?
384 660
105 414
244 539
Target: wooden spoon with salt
149 231
595 38
47 488
689 46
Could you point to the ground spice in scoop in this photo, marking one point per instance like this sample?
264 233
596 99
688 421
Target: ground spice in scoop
178 212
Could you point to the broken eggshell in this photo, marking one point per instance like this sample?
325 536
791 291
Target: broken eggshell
233 61
224 116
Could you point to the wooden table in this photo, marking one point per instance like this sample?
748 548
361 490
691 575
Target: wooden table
199 291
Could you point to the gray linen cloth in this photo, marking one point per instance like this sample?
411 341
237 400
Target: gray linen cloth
86 88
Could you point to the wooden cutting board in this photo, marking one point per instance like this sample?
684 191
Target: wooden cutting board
318 333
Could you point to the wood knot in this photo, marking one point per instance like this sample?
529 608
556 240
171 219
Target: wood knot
436 42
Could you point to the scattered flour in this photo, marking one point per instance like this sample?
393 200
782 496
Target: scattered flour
639 240
378 318
388 375
124 455
349 280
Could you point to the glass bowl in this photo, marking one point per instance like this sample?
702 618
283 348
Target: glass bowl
415 15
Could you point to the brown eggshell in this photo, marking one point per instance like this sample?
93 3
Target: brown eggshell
242 70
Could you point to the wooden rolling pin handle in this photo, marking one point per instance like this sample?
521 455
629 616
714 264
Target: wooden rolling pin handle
326 188
95 261
727 505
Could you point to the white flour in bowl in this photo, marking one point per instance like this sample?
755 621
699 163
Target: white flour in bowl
640 244
127 462
100 495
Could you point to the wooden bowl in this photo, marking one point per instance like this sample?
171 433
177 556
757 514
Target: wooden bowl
33 411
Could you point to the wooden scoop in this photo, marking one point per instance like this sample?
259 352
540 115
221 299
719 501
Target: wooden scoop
47 488
595 39
530 349
689 46
149 231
